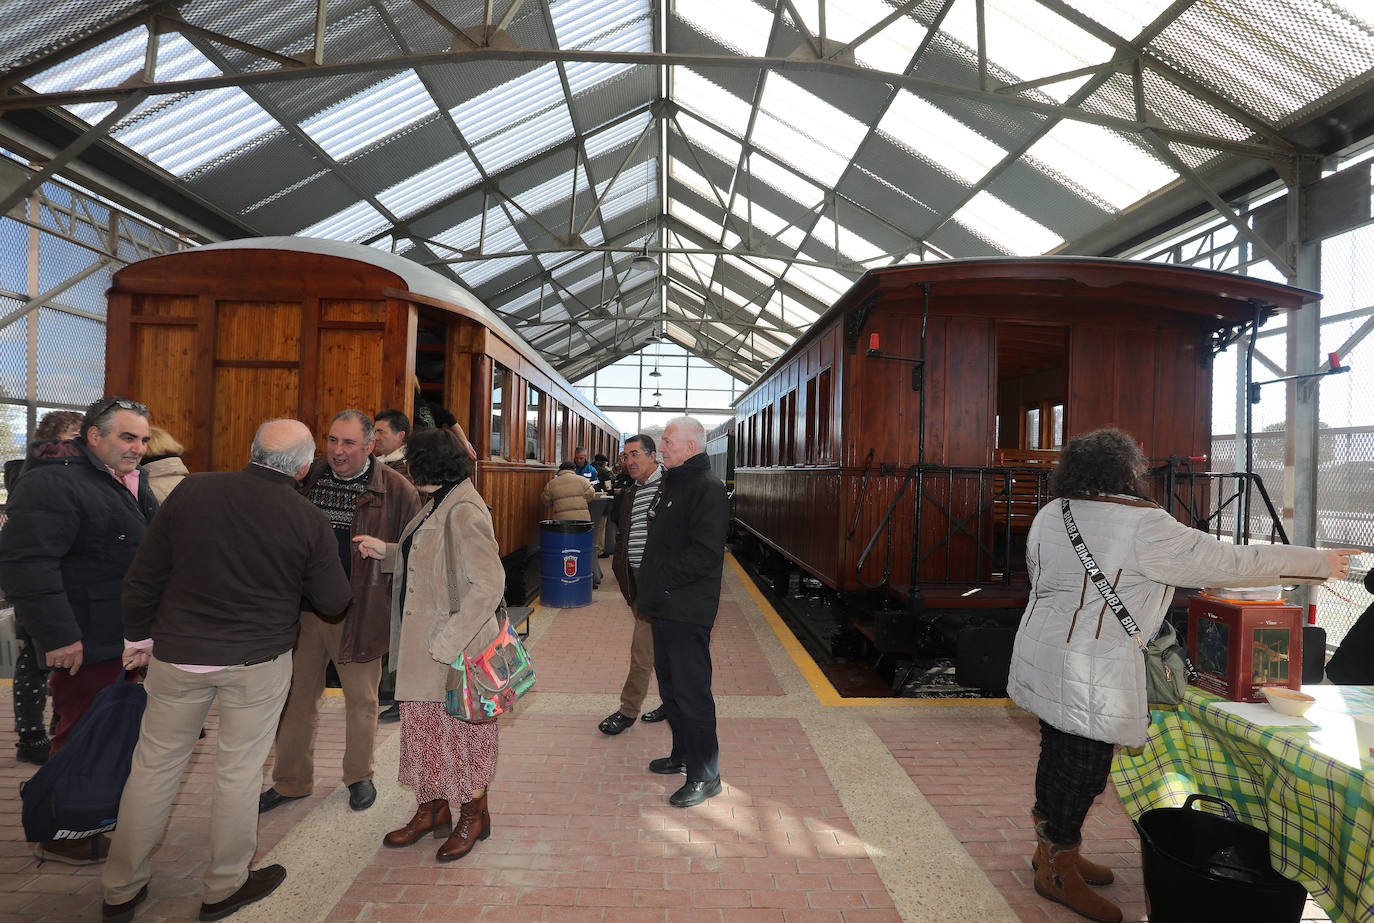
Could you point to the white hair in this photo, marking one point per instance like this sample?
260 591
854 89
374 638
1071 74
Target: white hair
286 457
692 430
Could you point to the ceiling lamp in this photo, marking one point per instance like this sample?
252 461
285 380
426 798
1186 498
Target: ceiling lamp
643 262
655 373
658 394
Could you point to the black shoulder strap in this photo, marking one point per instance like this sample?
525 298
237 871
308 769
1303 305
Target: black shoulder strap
1099 580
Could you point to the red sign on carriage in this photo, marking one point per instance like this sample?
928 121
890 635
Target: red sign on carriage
570 565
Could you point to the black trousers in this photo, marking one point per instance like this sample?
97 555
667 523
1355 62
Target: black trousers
682 660
1072 772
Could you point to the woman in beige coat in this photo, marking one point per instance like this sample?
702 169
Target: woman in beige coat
567 495
447 582
163 462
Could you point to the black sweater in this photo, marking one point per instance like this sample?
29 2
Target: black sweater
219 577
679 576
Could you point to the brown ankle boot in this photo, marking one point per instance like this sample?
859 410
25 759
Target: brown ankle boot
430 817
1057 878
1093 874
474 823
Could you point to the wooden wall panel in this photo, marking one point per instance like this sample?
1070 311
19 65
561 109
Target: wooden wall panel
264 330
163 306
515 495
1135 355
350 374
359 311
244 398
1092 380
163 376
795 510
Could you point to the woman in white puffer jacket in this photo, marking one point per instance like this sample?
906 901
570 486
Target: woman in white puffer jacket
1074 666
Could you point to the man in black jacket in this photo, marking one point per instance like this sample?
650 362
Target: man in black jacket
679 590
212 608
75 521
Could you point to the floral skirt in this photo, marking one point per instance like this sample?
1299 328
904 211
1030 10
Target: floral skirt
443 756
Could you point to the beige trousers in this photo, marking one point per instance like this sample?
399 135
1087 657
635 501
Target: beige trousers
250 699
293 774
641 665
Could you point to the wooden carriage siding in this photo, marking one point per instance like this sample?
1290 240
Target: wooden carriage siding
826 437
217 339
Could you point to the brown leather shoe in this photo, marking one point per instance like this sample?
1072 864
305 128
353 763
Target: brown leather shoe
430 817
474 823
122 913
1093 873
261 882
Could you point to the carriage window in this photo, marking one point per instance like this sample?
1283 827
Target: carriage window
1033 440
767 457
560 446
823 418
500 395
534 429
1057 426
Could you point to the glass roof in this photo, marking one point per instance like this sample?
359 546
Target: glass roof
764 153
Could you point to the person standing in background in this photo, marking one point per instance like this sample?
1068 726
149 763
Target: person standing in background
360 496
163 463
393 428
679 589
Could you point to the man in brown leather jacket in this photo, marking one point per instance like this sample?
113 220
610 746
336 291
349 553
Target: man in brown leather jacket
360 496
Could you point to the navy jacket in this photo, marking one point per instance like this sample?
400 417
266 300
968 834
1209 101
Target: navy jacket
71 534
679 576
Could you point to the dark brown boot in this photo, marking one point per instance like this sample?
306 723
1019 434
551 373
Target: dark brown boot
1094 874
1057 879
431 817
474 823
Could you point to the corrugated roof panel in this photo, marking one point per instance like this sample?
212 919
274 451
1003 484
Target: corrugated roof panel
740 26
619 135
196 129
708 100
1101 161
804 131
370 116
637 187
475 273
354 223
628 90
428 186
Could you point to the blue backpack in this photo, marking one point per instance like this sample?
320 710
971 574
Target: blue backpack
75 794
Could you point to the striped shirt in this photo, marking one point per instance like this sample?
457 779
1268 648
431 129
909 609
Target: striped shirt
639 517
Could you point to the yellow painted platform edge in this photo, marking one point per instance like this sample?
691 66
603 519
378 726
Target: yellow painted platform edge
821 687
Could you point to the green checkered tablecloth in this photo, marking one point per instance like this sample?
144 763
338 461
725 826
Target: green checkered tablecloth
1305 785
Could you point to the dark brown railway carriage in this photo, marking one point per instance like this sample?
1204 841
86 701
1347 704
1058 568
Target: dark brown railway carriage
850 419
217 339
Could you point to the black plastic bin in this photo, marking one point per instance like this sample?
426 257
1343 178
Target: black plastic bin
1199 866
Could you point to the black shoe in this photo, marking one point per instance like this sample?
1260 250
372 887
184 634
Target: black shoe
614 723
391 714
658 714
261 882
272 799
35 752
361 795
667 766
122 913
694 793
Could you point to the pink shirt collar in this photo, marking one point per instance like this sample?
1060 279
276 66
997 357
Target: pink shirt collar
129 480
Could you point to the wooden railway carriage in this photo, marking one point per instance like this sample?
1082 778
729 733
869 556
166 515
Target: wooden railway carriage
917 419
217 339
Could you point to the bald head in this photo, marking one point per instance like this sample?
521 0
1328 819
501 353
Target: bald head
284 445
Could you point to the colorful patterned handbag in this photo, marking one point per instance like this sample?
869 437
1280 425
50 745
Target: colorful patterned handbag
490 682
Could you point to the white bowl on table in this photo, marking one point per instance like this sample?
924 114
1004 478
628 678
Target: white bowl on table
1288 701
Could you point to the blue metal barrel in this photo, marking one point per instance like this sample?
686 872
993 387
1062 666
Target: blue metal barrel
565 563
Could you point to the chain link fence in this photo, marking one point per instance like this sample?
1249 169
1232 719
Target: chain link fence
1345 508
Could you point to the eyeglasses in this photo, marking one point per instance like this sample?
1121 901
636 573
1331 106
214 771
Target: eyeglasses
106 404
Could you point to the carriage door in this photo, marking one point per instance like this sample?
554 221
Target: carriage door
1032 384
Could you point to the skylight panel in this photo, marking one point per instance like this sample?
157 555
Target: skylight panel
708 100
851 247
430 185
825 285
497 109
525 139
554 190
742 26
1127 18
1031 41
1102 162
584 23
773 226
196 129
694 219
694 181
796 188
706 138
791 311
944 141
367 117
775 131
105 65
620 134
996 221
354 223
482 271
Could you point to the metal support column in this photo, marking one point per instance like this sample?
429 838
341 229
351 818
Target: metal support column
1304 346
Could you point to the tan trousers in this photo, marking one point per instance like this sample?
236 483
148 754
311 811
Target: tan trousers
599 534
250 699
293 774
641 666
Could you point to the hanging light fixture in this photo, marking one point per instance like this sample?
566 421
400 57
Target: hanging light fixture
658 394
643 262
655 373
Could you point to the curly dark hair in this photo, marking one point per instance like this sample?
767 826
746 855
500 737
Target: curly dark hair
1105 461
437 457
